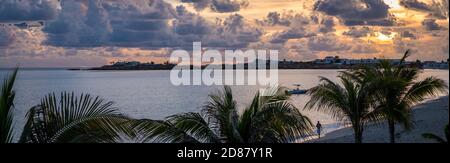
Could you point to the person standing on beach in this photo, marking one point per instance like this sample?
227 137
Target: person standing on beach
319 127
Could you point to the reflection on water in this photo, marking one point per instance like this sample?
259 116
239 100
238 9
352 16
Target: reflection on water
150 94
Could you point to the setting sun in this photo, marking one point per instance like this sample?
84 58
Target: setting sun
384 37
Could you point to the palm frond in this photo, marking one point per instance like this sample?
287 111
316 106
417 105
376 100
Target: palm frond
433 137
6 108
106 130
280 122
246 119
408 74
401 65
329 98
437 138
69 118
159 131
195 125
428 87
223 116
272 94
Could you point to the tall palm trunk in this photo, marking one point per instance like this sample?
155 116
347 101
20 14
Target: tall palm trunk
358 133
358 137
391 124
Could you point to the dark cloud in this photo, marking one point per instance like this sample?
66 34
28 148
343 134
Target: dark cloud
327 25
358 32
415 4
361 12
431 25
143 24
297 26
195 26
74 29
287 19
327 43
274 18
294 21
408 34
437 8
293 33
221 6
390 21
28 10
227 5
198 4
442 8
234 31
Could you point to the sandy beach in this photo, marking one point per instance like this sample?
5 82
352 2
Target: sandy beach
429 117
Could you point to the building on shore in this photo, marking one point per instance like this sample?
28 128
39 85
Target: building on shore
123 63
344 61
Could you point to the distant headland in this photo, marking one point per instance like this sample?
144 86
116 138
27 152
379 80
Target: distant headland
329 62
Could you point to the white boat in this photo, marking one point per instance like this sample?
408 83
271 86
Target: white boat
297 91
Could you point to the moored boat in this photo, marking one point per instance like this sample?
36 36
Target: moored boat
297 91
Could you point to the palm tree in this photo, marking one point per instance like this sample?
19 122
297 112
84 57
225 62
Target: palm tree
399 90
350 103
7 95
270 118
72 119
437 138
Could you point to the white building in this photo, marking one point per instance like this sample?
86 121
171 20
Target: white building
131 63
330 59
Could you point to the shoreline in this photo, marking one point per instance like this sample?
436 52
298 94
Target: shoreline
106 70
428 117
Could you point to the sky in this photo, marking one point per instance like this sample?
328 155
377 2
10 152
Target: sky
86 33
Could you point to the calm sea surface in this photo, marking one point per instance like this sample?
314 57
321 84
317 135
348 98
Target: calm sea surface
150 94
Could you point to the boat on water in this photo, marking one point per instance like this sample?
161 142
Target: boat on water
297 91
